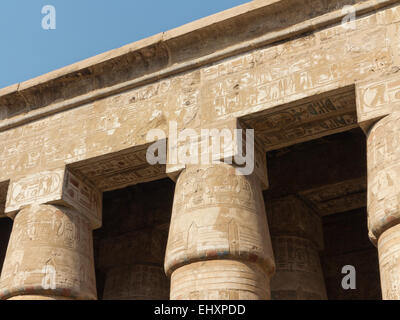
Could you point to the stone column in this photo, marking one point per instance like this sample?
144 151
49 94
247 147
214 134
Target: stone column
383 147
296 234
134 266
49 256
50 252
219 245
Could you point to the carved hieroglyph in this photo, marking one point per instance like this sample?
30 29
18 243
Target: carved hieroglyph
50 255
296 234
268 78
389 263
384 199
305 120
384 174
226 149
133 264
56 187
119 170
338 197
218 223
377 98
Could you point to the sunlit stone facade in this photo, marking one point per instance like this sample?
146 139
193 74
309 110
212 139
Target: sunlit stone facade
84 215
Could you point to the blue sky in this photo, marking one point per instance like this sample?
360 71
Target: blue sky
85 28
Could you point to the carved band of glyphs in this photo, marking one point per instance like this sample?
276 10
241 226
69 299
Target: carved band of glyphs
389 263
50 253
59 186
227 141
378 98
218 215
384 174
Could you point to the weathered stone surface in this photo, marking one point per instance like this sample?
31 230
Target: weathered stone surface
136 282
50 253
347 243
130 248
338 197
389 263
220 280
56 187
296 233
133 265
383 169
321 68
290 70
217 215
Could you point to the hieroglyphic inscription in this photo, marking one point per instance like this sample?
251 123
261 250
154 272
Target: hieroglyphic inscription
383 174
305 121
217 215
58 186
377 98
259 80
339 197
220 280
389 263
42 187
83 197
119 170
49 244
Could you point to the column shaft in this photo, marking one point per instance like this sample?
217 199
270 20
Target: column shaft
383 148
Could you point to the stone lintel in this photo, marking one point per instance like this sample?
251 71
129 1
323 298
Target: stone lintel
58 186
251 25
196 139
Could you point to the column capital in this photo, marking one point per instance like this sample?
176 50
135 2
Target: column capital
60 187
213 204
49 255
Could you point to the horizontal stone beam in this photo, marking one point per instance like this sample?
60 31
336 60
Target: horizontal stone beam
249 26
